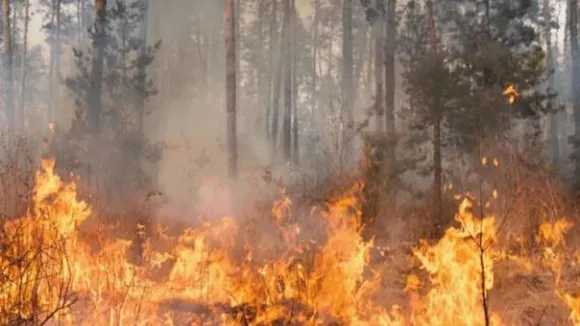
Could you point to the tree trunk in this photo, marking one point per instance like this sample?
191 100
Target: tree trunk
23 115
347 84
51 93
295 144
370 61
390 79
314 79
437 165
379 59
8 73
276 96
261 69
142 73
554 128
57 50
269 124
230 42
373 152
362 42
287 120
99 39
573 14
54 66
238 42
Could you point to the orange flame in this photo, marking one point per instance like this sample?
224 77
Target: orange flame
511 93
317 270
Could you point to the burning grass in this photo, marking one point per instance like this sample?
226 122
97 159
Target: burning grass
285 268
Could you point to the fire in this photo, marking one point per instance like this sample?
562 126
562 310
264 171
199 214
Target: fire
511 93
316 270
455 264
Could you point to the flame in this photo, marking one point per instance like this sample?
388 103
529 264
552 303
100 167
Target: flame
511 93
317 270
454 266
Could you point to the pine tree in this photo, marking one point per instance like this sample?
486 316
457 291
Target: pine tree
460 85
113 121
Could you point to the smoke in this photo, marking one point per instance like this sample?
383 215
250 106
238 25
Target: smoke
189 113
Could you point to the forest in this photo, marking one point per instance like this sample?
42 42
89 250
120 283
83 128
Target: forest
289 162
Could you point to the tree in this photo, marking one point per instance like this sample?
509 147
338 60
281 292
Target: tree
294 84
55 50
437 118
347 85
379 72
62 29
141 95
575 53
99 42
277 82
273 31
390 49
287 119
23 71
548 24
490 52
455 87
8 73
230 42
429 83
111 73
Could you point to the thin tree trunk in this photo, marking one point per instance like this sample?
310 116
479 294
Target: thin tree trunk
566 38
8 73
437 168
99 39
269 123
390 79
51 92
261 69
347 84
142 72
57 51
370 62
295 138
23 117
238 42
329 69
276 97
360 62
16 6
372 155
573 14
287 120
554 128
379 59
313 92
230 42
